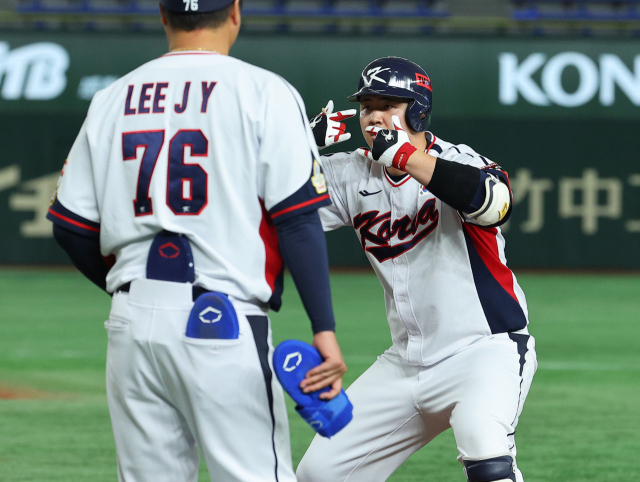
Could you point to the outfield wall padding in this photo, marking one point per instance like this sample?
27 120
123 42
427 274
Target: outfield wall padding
561 116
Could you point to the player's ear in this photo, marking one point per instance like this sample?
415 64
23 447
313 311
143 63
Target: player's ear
163 15
236 12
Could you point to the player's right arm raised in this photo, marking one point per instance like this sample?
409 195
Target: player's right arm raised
483 197
328 128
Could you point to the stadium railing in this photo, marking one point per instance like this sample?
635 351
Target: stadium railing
577 10
277 8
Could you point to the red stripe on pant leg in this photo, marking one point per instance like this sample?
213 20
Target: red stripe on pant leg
486 243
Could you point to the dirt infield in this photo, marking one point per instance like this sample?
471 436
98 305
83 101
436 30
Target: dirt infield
20 393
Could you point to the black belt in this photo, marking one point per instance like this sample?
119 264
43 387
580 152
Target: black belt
196 290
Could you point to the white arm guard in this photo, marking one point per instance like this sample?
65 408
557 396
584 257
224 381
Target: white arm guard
496 204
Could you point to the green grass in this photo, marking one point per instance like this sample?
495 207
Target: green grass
580 422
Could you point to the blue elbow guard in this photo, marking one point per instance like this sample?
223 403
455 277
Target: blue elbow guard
292 359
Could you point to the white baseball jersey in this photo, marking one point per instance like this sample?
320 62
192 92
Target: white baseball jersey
445 279
218 150
192 143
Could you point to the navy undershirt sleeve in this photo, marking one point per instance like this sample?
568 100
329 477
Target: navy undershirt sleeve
85 254
304 250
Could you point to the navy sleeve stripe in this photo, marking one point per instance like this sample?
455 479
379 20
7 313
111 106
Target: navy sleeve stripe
302 205
60 215
310 197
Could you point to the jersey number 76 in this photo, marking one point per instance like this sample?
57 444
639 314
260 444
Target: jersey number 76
186 183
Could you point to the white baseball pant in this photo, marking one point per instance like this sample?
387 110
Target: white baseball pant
168 393
399 408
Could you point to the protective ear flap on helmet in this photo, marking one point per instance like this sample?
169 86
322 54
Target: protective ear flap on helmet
401 78
418 116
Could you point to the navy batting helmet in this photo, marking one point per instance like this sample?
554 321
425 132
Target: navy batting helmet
195 6
398 77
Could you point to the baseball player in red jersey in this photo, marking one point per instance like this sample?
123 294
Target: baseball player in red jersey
428 216
182 175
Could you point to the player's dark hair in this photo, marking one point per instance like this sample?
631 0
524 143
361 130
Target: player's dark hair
189 22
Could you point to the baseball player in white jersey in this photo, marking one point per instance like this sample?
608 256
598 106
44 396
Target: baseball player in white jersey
182 179
427 213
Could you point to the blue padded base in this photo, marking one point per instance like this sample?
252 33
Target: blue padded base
213 317
329 417
292 359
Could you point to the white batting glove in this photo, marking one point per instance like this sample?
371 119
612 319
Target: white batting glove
328 128
391 148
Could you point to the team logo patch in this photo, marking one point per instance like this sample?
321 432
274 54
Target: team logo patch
55 193
423 81
169 250
318 180
373 75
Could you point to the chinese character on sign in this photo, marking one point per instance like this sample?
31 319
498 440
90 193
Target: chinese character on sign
36 201
588 189
9 177
524 185
633 225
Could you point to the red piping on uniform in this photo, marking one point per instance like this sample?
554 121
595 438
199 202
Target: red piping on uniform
431 145
301 205
486 244
273 261
393 183
75 223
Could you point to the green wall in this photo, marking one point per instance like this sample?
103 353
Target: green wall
563 117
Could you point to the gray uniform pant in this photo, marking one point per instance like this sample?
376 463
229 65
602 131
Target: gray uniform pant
399 408
169 394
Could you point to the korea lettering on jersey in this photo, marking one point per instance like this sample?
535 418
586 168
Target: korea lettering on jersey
445 279
193 171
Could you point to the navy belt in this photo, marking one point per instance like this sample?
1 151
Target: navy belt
196 290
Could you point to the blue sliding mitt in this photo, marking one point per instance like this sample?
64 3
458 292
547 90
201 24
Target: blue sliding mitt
292 359
213 317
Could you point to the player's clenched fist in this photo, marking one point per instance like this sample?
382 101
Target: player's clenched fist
391 148
328 128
